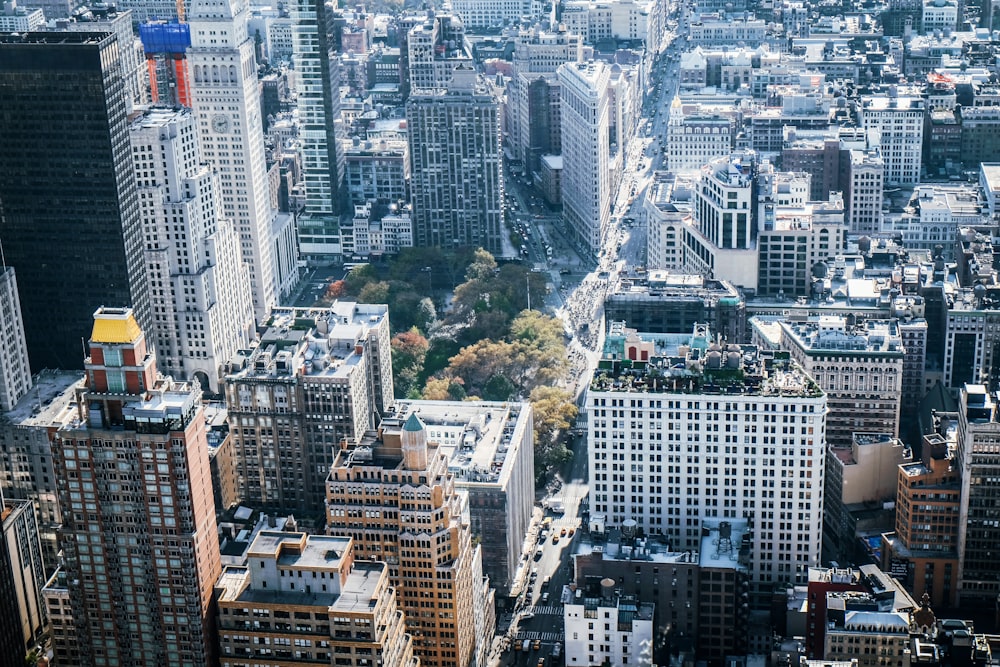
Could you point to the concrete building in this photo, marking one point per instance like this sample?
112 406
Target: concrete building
303 600
20 19
222 458
22 576
975 457
26 466
15 369
200 298
321 132
969 325
666 302
378 229
922 551
716 30
586 182
478 15
899 121
860 481
611 629
435 48
697 136
866 179
61 284
817 154
672 384
377 170
138 534
62 629
625 20
490 451
457 180
394 495
317 378
859 367
533 110
226 101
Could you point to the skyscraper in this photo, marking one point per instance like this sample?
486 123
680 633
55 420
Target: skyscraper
226 100
586 182
139 535
200 292
318 86
15 371
69 209
407 511
456 179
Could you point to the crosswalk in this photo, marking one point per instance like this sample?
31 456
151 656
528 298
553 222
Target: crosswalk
541 636
548 611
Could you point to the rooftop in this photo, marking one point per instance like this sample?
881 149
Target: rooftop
679 363
831 333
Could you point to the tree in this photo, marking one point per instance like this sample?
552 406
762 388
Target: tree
409 350
436 389
554 412
336 289
375 292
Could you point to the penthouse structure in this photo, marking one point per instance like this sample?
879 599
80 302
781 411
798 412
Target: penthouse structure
317 378
303 600
667 302
677 402
490 450
395 496
138 533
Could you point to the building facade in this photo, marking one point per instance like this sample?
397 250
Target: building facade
586 176
697 452
226 99
317 378
138 535
23 616
612 629
15 369
200 287
899 121
397 499
457 181
61 284
303 600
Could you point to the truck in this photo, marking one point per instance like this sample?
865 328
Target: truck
556 505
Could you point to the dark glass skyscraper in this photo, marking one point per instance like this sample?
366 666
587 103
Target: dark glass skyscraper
69 214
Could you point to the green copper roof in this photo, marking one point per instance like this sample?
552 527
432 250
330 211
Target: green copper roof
413 423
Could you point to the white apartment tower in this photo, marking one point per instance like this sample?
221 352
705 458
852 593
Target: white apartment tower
199 286
586 181
226 101
684 429
900 125
865 191
15 373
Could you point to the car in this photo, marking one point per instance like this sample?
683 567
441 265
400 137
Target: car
545 581
555 539
563 532
572 531
537 644
564 272
545 597
538 553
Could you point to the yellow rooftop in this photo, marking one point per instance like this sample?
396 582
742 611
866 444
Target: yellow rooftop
115 325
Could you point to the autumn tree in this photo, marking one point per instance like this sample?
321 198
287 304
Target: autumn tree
409 350
555 412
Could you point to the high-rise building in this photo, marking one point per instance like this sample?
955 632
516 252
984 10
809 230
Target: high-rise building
15 370
313 603
491 456
320 128
200 291
318 378
100 17
435 48
899 122
396 497
165 46
457 184
81 168
719 428
865 190
21 563
585 129
138 535
225 96
976 461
